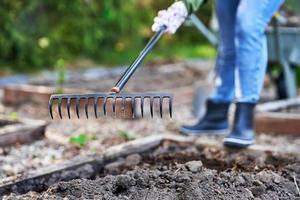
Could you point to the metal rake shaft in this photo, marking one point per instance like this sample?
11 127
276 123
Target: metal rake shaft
137 62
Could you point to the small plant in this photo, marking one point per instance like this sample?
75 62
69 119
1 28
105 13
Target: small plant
61 75
82 139
127 136
13 116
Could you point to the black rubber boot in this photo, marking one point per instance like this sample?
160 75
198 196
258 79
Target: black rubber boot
242 134
215 120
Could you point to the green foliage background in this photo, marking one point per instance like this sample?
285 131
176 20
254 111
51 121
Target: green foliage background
35 34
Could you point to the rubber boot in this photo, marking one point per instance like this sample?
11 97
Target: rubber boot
215 120
242 134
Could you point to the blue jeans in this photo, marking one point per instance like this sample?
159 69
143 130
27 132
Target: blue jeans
242 54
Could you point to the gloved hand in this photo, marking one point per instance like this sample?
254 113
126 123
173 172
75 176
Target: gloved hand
172 18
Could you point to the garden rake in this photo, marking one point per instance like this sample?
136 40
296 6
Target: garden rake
115 93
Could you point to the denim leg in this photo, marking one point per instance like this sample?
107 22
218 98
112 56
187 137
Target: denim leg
225 65
252 19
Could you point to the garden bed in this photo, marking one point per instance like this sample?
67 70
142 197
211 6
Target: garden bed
171 77
166 168
279 117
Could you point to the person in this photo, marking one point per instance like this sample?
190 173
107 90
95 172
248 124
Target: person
240 65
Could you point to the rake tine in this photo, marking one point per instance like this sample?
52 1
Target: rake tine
77 107
114 106
59 107
123 105
86 107
50 108
68 107
170 106
96 107
104 105
161 106
132 106
130 97
151 106
142 106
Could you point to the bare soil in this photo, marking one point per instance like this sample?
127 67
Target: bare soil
186 172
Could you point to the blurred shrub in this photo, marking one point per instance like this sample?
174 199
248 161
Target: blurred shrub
34 34
60 68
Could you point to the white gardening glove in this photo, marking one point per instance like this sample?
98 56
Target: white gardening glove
172 18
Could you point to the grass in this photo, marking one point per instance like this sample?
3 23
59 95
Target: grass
13 116
186 52
82 139
125 135
176 52
113 57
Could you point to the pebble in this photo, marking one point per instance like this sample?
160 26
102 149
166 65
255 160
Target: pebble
29 157
239 180
249 193
257 183
194 166
276 178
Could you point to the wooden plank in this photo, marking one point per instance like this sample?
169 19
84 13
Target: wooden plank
22 131
132 147
80 167
269 119
276 105
5 121
213 143
277 124
17 94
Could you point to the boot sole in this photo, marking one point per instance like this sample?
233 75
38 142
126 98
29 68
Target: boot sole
188 132
239 143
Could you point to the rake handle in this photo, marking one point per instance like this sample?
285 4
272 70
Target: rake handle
137 62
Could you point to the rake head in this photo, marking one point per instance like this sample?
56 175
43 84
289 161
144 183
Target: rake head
115 101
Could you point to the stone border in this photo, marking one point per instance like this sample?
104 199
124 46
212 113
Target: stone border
270 120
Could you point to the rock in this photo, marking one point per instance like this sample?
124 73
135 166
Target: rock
276 178
239 180
156 173
249 193
194 166
257 183
114 167
264 177
181 178
133 160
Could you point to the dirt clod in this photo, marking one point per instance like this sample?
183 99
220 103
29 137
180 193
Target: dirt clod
122 184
